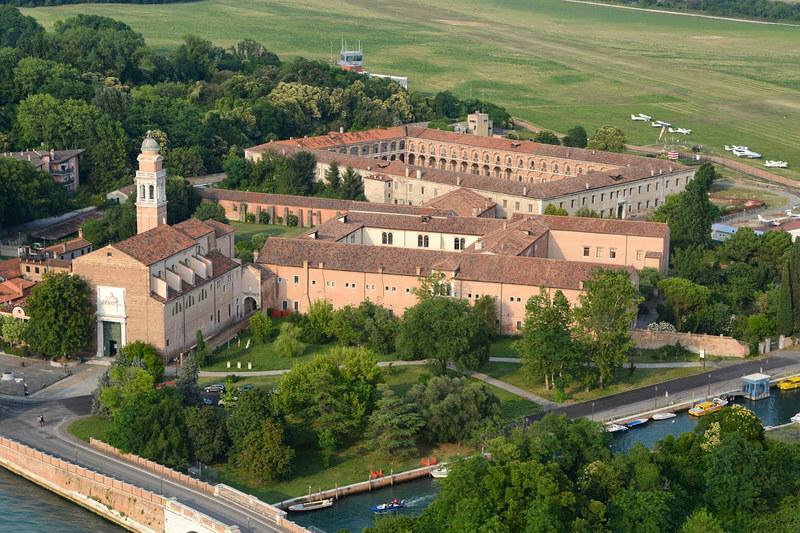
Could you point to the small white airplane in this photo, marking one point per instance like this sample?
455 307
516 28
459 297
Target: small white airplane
662 123
747 153
790 214
656 125
682 131
640 118
776 164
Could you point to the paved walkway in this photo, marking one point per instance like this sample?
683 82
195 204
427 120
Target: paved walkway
546 404
675 364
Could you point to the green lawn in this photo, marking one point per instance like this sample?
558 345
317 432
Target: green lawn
554 63
790 433
89 426
502 347
245 230
512 373
257 381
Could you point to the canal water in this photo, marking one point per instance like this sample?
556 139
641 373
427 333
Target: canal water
354 513
773 411
26 507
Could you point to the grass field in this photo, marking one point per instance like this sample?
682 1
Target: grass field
554 63
246 230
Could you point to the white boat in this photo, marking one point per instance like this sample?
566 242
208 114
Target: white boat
441 472
614 428
769 163
636 422
663 416
311 506
796 418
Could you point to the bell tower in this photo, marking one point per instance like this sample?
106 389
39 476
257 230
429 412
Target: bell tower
151 187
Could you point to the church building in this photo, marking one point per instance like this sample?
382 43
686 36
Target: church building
166 283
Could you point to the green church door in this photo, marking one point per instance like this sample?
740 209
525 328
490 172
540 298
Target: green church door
112 338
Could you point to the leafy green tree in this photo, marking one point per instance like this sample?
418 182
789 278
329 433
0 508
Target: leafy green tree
643 511
575 137
734 477
783 321
454 409
434 284
742 246
585 212
182 200
552 209
444 331
146 354
395 425
546 346
16 29
352 185
690 213
261 327
686 300
13 330
61 316
701 521
608 139
288 343
126 384
327 446
546 137
607 311
262 455
207 434
186 162
774 250
188 375
318 327
246 415
195 59
210 211
485 308
27 194
33 75
333 177
335 391
696 263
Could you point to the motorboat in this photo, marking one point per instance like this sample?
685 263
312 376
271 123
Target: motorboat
704 408
315 505
635 422
796 418
389 507
441 472
615 428
791 383
663 416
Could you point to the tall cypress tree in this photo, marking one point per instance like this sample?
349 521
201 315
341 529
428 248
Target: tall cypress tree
785 316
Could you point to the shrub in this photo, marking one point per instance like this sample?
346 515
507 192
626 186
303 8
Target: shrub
292 220
263 217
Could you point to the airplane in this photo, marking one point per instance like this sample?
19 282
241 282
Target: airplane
776 164
656 125
744 151
639 118
662 123
645 117
790 214
682 131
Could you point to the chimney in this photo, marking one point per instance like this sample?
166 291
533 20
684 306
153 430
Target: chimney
419 271
321 265
255 256
652 172
525 191
587 185
341 129
419 173
80 232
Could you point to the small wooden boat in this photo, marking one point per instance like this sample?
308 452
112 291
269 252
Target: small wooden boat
614 428
791 383
441 472
389 507
663 416
704 408
796 418
635 422
315 505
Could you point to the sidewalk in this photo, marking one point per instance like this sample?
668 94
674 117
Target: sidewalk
677 364
546 404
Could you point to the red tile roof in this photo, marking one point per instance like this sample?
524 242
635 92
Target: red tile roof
530 271
69 246
9 268
193 228
220 228
463 202
155 245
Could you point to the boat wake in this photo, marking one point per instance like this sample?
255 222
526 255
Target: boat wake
421 501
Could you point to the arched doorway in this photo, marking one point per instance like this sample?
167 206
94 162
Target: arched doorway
250 305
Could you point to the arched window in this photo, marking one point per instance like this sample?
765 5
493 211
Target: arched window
544 166
375 148
432 149
508 161
442 151
402 145
532 164
143 196
458 243
580 171
354 150
422 148
365 150
520 163
464 155
496 159
386 237
393 146
485 158
152 192
474 156
568 171
410 147
555 168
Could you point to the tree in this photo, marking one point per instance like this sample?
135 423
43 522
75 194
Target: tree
352 185
146 356
734 476
607 311
575 137
333 177
61 315
248 412
185 162
742 246
318 327
701 521
188 374
182 200
554 210
546 345
126 384
434 284
454 409
327 446
210 211
607 138
288 343
686 300
261 327
394 425
195 59
783 321
690 213
263 455
13 330
207 434
485 308
641 511
546 137
27 194
444 330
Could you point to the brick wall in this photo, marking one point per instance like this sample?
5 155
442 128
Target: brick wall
712 345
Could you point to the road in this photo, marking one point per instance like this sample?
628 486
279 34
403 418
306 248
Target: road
680 390
19 422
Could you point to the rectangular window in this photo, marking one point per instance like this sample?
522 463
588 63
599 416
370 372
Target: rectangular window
505 203
296 279
530 208
599 251
516 206
612 253
422 189
585 251
593 199
284 305
572 204
296 306
639 255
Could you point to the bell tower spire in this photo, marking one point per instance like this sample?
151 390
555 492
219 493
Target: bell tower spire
151 187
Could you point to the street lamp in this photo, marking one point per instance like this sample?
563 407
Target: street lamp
592 412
